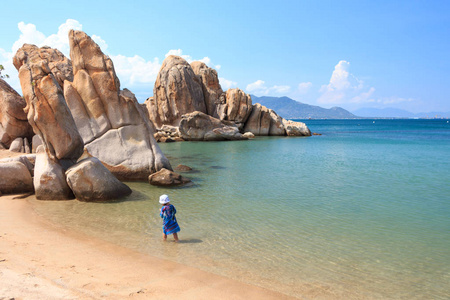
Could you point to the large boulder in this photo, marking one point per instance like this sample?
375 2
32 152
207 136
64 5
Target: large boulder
13 119
296 128
259 120
166 177
198 126
177 91
15 178
41 73
210 86
28 160
91 181
276 124
112 123
50 180
236 106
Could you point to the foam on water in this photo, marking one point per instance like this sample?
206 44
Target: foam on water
359 212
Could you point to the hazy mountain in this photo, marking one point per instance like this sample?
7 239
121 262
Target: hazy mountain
390 112
291 109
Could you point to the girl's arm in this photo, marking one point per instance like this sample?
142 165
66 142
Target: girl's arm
161 214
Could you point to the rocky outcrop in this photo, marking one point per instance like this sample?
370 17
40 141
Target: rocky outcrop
296 128
20 145
91 181
46 108
197 126
27 159
50 180
259 120
210 86
236 106
15 178
113 125
177 91
13 119
166 177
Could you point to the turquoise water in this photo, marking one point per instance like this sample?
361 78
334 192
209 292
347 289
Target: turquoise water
359 212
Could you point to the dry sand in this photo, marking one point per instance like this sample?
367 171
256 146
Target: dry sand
41 261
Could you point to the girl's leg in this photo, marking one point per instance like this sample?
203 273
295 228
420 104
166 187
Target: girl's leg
175 236
164 236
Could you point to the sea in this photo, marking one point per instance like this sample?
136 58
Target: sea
361 211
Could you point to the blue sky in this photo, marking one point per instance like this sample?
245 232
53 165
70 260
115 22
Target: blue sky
330 53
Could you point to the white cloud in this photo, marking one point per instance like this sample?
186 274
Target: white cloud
259 87
344 87
133 70
227 84
394 100
303 87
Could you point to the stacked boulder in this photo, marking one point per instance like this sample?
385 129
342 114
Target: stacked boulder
112 124
184 95
42 71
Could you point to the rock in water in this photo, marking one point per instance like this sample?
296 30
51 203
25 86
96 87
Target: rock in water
296 128
50 180
259 120
113 125
13 119
177 91
15 178
236 106
41 73
166 177
210 86
91 181
197 126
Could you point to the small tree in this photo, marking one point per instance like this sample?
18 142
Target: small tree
5 75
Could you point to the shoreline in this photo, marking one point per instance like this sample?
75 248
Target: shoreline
41 261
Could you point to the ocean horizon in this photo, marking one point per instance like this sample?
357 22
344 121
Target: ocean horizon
358 212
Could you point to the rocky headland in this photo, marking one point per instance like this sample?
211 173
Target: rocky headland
80 133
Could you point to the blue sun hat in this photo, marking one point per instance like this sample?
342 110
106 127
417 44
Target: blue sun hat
163 199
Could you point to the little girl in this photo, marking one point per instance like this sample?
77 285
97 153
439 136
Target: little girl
168 211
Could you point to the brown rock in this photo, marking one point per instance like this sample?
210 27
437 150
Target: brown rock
296 128
276 124
177 91
236 108
197 126
259 120
15 178
46 108
210 86
13 119
114 126
183 168
166 177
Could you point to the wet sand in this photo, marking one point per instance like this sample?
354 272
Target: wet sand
41 261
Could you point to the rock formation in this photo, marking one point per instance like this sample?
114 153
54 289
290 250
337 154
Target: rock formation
259 120
50 180
197 126
296 128
236 107
166 177
46 108
91 181
18 179
210 86
177 91
113 125
13 119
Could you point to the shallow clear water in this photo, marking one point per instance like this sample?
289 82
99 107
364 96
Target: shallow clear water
362 211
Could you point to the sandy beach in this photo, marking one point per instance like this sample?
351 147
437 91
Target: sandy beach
40 261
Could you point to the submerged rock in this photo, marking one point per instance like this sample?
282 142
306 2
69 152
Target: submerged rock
91 181
166 177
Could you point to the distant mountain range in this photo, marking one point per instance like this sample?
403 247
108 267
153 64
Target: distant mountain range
397 113
291 109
